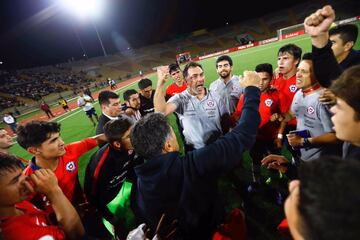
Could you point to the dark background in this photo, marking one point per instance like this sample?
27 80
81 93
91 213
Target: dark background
32 33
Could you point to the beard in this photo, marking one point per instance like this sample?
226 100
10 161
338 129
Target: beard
224 74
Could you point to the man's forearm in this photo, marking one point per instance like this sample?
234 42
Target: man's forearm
320 40
159 100
326 67
327 138
66 214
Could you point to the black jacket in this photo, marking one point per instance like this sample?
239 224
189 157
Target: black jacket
105 175
327 70
184 187
146 105
102 121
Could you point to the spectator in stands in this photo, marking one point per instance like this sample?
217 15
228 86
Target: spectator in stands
270 106
178 85
22 220
63 103
46 108
10 120
199 110
184 187
110 175
132 102
86 102
227 85
319 206
110 106
346 88
146 96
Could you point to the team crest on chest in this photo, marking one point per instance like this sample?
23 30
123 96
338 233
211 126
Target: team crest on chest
292 88
210 103
268 102
70 166
310 110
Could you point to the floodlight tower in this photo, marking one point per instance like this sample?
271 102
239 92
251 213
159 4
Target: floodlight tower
86 9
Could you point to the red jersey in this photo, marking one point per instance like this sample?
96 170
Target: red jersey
269 104
66 173
173 89
33 224
287 89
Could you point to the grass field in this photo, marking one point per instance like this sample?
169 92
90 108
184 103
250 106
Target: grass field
76 126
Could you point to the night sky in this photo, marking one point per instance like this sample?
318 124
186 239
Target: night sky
36 32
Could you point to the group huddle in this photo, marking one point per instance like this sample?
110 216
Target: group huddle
308 105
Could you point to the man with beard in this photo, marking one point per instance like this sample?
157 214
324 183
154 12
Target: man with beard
227 85
198 109
132 102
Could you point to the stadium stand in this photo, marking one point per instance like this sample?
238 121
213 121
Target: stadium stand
33 84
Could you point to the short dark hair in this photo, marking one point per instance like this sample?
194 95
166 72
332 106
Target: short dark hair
149 135
115 129
190 65
106 95
34 133
307 56
292 49
347 87
329 198
224 58
128 93
347 32
9 163
173 67
144 83
264 67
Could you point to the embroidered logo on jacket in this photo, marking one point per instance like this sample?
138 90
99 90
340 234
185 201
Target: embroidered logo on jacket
268 102
70 166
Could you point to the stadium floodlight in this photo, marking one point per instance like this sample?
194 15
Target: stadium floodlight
86 8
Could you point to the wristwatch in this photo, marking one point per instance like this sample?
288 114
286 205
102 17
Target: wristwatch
306 143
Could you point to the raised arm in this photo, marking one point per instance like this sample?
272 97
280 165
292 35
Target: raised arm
317 25
160 104
68 219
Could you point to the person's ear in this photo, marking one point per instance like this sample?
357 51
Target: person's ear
33 150
297 61
168 146
116 145
348 46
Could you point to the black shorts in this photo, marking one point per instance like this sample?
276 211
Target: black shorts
90 112
65 107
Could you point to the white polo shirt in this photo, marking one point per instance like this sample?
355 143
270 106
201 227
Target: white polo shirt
230 92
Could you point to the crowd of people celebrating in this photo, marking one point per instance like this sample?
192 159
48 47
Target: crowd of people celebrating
139 186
